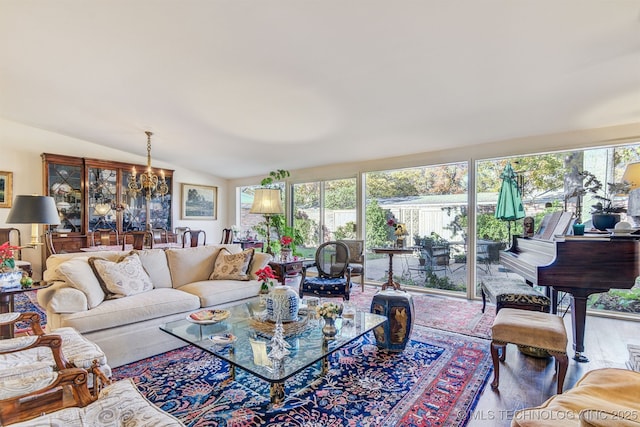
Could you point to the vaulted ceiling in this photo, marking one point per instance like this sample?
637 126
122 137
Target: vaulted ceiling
240 87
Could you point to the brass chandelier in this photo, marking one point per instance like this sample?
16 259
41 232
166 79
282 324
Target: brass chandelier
148 182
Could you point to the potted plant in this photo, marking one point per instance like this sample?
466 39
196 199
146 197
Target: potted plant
604 214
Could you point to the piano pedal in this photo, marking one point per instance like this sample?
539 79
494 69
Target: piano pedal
580 358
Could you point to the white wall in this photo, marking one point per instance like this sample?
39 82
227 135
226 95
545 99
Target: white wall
20 149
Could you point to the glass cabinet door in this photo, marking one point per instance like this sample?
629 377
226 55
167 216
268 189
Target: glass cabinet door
65 186
102 198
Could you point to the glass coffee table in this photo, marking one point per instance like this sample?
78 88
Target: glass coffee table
250 349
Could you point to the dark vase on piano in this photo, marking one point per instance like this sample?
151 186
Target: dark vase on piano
602 221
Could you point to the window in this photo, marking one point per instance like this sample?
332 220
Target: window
432 202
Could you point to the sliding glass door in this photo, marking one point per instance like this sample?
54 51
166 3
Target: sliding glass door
325 211
431 202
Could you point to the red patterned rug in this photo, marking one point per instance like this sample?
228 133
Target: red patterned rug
435 381
440 312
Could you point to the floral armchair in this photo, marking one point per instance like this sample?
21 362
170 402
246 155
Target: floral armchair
62 396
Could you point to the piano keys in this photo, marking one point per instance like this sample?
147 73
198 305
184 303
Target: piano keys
577 267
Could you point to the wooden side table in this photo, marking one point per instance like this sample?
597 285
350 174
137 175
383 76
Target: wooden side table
6 305
284 269
391 252
246 244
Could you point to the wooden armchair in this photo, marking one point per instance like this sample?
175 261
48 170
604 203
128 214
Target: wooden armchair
62 396
77 352
40 389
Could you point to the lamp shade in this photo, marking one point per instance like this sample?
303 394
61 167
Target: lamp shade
632 175
33 210
266 201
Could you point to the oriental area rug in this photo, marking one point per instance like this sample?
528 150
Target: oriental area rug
435 381
440 312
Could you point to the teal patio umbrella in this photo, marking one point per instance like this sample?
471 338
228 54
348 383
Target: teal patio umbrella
509 207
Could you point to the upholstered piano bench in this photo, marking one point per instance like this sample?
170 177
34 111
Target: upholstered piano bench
541 331
512 292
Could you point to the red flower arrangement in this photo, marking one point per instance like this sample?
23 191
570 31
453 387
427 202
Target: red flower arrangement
285 241
7 257
265 275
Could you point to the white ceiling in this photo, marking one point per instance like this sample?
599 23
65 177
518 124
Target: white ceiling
240 87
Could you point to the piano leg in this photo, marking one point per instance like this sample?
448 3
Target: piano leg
552 294
578 318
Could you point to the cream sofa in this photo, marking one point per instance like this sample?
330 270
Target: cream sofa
127 328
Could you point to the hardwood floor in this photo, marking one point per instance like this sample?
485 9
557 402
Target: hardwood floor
526 381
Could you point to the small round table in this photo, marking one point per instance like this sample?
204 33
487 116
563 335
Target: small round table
391 252
6 304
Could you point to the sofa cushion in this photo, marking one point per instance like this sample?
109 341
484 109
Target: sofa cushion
232 266
78 273
189 265
217 292
259 261
122 278
21 364
154 304
52 274
154 262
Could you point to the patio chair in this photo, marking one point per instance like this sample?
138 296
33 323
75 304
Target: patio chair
333 278
436 255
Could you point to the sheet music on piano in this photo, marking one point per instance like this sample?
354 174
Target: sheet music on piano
554 224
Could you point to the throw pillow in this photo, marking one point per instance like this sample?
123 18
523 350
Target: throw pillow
230 266
122 278
259 261
78 274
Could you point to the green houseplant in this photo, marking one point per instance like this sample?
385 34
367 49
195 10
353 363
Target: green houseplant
604 214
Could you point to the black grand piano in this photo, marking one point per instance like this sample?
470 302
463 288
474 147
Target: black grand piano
577 267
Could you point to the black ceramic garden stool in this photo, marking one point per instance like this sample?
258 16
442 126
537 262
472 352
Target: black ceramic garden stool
397 306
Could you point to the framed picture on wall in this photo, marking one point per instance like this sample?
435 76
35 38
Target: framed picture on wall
199 201
6 189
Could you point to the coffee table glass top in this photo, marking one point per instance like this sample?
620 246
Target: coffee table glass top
249 351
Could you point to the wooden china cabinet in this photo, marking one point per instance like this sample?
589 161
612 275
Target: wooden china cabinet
92 194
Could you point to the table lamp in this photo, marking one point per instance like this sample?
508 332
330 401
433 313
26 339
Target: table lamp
632 176
34 210
266 201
